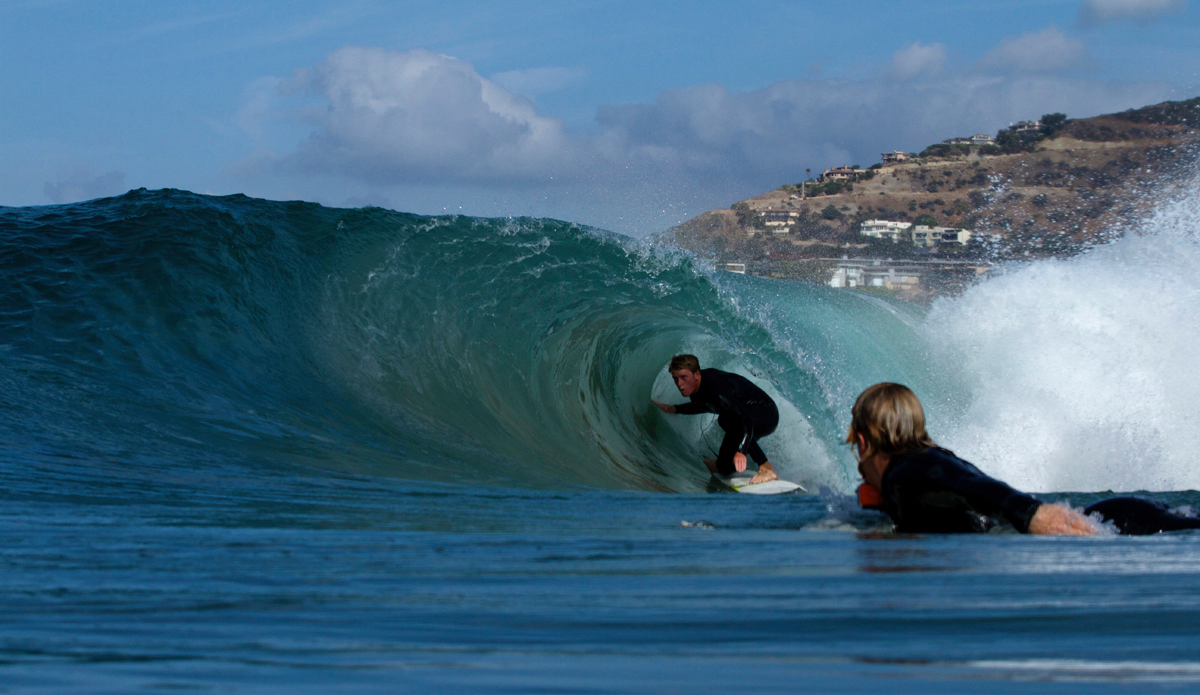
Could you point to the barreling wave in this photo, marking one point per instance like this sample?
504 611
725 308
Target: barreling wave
163 327
165 336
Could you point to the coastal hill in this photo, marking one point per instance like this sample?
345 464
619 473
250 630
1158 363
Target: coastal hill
1048 188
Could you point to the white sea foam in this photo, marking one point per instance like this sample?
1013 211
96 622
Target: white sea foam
1083 374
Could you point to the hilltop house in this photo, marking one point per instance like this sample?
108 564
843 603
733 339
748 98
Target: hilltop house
895 157
779 219
935 236
976 139
841 173
919 235
1022 126
883 229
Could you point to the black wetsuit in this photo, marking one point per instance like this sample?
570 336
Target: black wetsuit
934 491
744 411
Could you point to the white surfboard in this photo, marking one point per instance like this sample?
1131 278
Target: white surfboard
741 483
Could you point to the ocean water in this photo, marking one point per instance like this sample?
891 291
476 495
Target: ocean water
261 447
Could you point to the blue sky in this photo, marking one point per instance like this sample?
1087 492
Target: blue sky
627 115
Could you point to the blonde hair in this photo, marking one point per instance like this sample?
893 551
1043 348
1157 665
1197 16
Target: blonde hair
688 362
890 419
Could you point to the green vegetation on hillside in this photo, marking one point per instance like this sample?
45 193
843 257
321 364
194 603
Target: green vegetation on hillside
1186 113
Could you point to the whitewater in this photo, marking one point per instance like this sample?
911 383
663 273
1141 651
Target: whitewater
277 447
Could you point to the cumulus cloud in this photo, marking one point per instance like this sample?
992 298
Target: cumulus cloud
1045 51
1096 12
82 185
775 130
395 122
418 116
537 81
917 59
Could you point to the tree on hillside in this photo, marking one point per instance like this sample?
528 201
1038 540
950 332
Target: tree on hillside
1010 141
1053 122
831 212
746 216
926 221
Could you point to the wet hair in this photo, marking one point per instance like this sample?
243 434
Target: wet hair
890 419
688 362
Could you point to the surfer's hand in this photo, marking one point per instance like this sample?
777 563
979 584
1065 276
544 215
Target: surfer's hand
665 407
739 462
1057 520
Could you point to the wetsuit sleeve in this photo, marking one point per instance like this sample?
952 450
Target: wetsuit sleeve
691 408
989 496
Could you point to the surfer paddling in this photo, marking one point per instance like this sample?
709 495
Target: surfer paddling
744 411
927 489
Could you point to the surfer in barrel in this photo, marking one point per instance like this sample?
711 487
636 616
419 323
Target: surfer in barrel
744 411
927 489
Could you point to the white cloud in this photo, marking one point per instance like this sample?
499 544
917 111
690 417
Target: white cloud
778 131
537 81
395 123
1045 51
82 185
418 116
1096 12
917 59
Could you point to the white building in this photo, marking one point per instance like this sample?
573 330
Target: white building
923 235
873 273
976 139
884 229
779 220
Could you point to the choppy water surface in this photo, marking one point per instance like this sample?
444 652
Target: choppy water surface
272 447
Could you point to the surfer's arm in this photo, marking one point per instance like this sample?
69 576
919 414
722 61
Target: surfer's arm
1057 520
665 407
987 495
691 408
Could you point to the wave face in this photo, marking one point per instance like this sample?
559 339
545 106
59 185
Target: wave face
171 334
167 336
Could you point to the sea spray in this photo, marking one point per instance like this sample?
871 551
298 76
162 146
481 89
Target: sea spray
1082 374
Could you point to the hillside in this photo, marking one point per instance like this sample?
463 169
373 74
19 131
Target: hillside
1052 192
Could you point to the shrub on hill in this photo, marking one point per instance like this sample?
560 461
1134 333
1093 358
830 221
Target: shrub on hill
1052 123
942 149
1167 113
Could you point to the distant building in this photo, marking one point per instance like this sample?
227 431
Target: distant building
1022 126
939 236
895 156
899 275
873 273
976 139
739 268
779 218
842 173
884 229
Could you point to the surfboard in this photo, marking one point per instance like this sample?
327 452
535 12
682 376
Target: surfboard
741 483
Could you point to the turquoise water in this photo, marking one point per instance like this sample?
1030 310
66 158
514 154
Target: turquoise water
250 446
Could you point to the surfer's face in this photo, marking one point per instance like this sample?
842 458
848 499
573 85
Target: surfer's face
686 381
